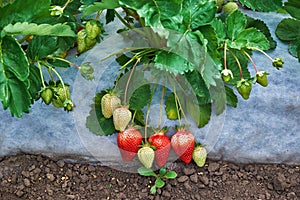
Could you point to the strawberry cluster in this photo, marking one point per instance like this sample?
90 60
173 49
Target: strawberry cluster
158 147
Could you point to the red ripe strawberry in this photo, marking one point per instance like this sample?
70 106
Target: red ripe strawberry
183 145
163 147
128 143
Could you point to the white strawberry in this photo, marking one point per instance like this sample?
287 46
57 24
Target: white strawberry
121 118
146 156
199 155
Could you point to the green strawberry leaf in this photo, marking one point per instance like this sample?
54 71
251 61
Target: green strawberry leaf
198 12
41 46
261 26
140 97
110 15
171 109
22 11
288 29
184 55
14 73
262 6
153 189
35 29
200 113
96 122
219 28
151 11
34 82
198 87
170 175
231 98
235 23
139 117
159 183
293 8
13 58
162 171
294 48
96 6
251 38
172 63
143 171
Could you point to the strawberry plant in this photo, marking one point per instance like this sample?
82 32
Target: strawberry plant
193 54
159 182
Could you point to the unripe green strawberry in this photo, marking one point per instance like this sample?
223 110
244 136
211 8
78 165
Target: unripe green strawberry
93 28
230 7
90 43
244 87
109 103
121 118
199 155
68 105
60 95
261 78
47 95
277 62
146 156
226 75
81 44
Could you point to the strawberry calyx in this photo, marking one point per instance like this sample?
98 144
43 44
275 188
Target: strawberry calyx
277 63
226 75
198 144
181 127
161 131
147 144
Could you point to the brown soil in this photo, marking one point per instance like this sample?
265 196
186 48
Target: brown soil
37 177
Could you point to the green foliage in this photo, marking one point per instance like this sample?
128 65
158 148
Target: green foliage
159 182
22 11
35 29
289 29
140 97
14 73
293 7
90 8
262 6
261 26
240 37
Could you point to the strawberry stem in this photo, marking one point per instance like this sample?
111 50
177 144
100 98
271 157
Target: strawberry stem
225 55
61 80
64 60
51 75
177 108
148 111
163 90
66 4
41 74
239 64
251 60
267 55
129 78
